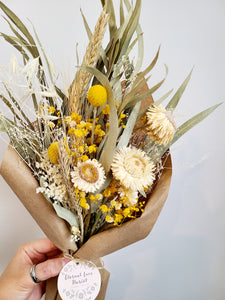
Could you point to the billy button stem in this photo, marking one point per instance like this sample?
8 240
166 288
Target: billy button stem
93 124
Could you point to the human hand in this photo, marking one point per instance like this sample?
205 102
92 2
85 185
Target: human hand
16 282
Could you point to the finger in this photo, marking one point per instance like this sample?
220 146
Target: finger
38 290
54 253
39 250
50 268
42 246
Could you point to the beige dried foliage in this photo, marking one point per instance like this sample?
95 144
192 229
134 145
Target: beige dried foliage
82 77
65 163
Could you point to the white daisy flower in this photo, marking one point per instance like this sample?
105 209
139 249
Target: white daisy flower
133 168
161 125
88 176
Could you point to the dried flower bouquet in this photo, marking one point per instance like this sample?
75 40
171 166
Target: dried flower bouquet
96 151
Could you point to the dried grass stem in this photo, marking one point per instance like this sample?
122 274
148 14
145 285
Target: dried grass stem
82 77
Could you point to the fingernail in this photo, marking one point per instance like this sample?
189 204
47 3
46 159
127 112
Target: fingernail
65 261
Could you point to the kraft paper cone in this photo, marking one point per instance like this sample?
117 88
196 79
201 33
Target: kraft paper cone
51 289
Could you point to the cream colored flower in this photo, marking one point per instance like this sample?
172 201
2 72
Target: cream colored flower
109 219
75 231
115 204
51 181
161 125
88 176
129 196
133 168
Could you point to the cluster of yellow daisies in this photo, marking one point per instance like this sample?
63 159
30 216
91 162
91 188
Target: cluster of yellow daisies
114 195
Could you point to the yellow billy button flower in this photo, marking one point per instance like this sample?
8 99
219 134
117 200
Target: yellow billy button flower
97 95
53 153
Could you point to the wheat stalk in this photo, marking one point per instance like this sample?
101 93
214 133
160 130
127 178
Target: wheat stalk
64 164
82 78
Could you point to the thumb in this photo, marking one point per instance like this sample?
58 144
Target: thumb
50 268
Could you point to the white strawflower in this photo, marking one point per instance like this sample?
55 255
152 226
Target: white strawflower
129 196
88 176
161 125
133 168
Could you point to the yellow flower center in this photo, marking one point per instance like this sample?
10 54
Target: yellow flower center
89 173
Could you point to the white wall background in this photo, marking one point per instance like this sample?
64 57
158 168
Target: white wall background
184 256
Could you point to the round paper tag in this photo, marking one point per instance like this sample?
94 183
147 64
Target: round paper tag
79 280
